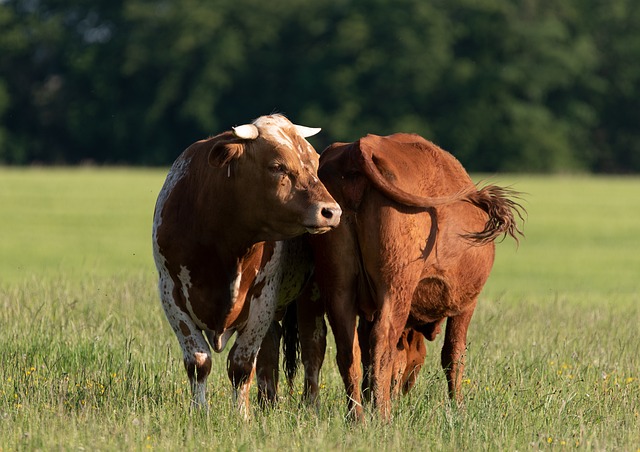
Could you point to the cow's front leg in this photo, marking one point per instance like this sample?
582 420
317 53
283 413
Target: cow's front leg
242 357
195 350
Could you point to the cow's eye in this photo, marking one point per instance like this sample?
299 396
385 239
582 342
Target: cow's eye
277 168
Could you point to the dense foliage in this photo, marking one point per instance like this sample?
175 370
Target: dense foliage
506 85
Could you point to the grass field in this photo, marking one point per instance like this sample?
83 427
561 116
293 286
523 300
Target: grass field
88 362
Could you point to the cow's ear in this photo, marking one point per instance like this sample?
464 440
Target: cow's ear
341 174
223 152
353 188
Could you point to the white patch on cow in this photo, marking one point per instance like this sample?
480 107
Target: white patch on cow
219 341
281 137
273 128
272 120
199 393
272 268
185 281
201 358
299 155
308 165
235 286
165 283
199 388
241 396
177 172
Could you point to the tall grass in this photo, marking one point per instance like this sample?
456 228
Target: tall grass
87 360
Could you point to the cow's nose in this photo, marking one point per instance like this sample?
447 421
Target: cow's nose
322 217
331 212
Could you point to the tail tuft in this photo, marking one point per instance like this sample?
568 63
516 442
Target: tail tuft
501 206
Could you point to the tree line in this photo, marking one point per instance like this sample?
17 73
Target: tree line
505 85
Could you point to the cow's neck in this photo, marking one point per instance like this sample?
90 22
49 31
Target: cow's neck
230 233
233 254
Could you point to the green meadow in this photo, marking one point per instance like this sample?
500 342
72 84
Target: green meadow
88 361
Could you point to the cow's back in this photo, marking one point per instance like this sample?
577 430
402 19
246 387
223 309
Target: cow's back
416 165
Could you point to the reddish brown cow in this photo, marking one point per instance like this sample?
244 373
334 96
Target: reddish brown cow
226 203
409 358
412 350
312 332
414 247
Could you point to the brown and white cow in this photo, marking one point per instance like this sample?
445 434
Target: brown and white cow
219 227
414 247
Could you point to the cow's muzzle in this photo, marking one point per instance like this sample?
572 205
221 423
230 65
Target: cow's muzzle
323 217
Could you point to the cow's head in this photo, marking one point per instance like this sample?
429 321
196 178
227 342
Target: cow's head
276 170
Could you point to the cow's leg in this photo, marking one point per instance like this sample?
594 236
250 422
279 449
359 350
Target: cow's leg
416 353
267 366
385 334
197 361
337 272
242 357
195 350
399 367
453 351
364 331
312 332
343 319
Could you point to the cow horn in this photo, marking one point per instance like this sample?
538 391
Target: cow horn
246 131
307 131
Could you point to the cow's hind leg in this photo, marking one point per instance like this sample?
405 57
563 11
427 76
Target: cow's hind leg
267 366
385 334
364 331
453 351
241 361
312 332
343 318
337 277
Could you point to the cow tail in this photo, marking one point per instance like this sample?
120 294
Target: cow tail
290 343
501 206
368 165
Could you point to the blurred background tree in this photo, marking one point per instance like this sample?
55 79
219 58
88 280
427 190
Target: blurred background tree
505 85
